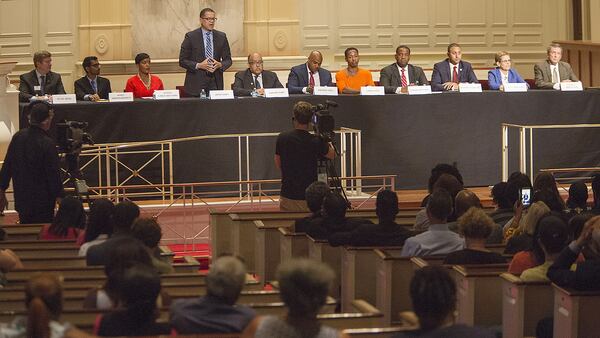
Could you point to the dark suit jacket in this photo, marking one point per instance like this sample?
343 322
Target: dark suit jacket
390 77
585 277
441 74
83 87
298 78
192 52
244 82
99 254
28 81
543 76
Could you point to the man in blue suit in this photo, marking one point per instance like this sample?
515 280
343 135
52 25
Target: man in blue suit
452 71
303 78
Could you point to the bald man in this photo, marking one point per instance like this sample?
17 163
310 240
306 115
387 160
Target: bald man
255 78
303 78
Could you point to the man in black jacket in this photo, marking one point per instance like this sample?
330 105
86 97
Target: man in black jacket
41 81
32 163
92 87
255 78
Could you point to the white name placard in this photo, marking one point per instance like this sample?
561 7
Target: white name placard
64 98
276 92
166 94
469 87
372 90
221 94
419 90
325 91
515 87
120 97
571 86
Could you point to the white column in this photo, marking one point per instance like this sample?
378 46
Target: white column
9 107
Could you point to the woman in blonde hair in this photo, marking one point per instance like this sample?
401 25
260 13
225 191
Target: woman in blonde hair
522 236
503 74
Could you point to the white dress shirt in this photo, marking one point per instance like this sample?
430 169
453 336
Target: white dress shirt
438 240
399 89
315 76
452 71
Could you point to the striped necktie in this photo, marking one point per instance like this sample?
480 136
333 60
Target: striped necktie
209 46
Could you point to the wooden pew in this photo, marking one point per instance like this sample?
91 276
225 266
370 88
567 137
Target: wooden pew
376 332
22 231
292 244
575 312
35 244
523 305
57 252
321 251
479 293
188 264
358 270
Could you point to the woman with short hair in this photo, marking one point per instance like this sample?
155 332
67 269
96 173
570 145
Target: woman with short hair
143 84
503 73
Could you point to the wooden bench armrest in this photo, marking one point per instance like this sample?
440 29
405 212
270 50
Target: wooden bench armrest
363 306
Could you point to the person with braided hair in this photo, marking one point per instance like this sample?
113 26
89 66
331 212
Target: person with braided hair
433 295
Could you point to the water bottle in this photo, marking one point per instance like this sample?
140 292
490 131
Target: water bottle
203 94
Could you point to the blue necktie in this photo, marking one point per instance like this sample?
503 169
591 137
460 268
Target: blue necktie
208 48
94 86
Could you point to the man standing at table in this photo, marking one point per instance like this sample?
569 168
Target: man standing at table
550 73
205 55
41 81
350 79
255 78
296 155
303 78
452 71
398 76
92 87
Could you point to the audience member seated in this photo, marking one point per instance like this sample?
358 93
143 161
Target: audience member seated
504 197
545 184
386 233
43 298
436 172
516 181
217 312
68 221
447 182
120 259
433 295
523 234
304 285
503 73
577 201
596 194
143 84
8 261
41 82
551 238
465 200
305 77
475 226
124 215
587 274
315 193
254 79
449 73
92 87
438 240
137 292
148 231
350 79
576 224
99 226
551 72
334 218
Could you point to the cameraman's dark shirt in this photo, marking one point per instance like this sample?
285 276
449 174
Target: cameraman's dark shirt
299 151
32 163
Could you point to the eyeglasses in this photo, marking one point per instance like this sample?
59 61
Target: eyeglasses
504 61
258 63
210 19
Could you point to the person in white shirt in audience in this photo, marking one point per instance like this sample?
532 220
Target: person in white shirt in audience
438 240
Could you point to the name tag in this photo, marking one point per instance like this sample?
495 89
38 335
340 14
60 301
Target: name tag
166 94
64 98
120 97
221 94
372 90
37 88
571 86
469 87
325 91
419 90
276 92
515 87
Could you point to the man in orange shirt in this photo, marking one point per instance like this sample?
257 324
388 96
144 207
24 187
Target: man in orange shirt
350 79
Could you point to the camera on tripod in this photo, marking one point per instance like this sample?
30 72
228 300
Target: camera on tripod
71 136
322 120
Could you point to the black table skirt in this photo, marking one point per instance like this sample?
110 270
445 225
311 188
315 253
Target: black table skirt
402 135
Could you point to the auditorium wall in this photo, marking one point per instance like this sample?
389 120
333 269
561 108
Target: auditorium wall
283 30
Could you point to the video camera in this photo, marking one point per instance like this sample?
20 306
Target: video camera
322 120
71 136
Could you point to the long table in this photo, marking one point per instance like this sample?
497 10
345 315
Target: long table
401 134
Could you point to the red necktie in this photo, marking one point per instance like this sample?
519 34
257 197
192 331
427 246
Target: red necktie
311 82
455 75
403 79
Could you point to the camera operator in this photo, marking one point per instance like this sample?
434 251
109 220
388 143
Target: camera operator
296 155
33 164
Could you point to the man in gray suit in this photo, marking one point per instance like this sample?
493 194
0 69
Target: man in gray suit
398 76
205 55
255 78
550 73
40 82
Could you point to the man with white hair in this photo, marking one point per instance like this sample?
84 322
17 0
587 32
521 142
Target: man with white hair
216 312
